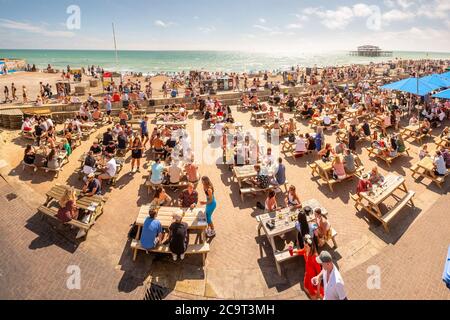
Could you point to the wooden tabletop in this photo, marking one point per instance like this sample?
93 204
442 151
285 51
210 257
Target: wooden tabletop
195 218
171 124
390 185
325 166
244 171
83 202
412 128
426 163
288 218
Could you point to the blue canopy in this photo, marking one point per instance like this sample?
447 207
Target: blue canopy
438 80
443 94
446 75
410 86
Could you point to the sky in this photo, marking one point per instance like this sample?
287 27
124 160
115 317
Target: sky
247 25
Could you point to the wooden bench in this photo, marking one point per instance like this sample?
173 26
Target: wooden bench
385 219
192 249
254 190
373 152
56 171
283 256
51 213
439 180
150 186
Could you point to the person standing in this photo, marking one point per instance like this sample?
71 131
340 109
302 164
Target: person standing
333 283
24 94
14 92
144 131
136 154
211 205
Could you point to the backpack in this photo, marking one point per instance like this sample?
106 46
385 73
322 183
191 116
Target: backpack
133 231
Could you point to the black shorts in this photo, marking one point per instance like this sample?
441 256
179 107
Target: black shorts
136 154
144 135
108 112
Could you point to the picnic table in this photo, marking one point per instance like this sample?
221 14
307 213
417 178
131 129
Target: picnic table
284 223
318 121
325 171
371 201
195 220
259 116
93 205
425 168
378 153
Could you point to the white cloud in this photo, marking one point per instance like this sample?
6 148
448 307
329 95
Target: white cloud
262 20
397 15
207 29
294 26
162 24
334 19
362 10
28 27
389 3
437 9
405 4
264 28
302 17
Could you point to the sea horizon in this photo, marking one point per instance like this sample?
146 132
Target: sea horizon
170 61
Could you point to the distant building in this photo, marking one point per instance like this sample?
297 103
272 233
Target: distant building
371 51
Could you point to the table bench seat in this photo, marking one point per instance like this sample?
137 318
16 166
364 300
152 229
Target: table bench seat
385 219
51 213
192 249
56 171
252 190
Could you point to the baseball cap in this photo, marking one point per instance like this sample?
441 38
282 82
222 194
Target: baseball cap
324 257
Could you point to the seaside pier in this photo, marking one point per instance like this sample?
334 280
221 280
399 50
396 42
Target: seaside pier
371 51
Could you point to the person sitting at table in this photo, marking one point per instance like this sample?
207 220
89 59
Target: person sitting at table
122 144
268 159
413 121
189 197
312 268
401 147
192 173
424 152
107 137
161 198
349 162
175 172
365 129
271 204
89 163
110 148
52 160
323 232
158 144
327 122
440 168
319 139
97 115
425 127
280 173
29 155
170 145
310 143
68 207
302 226
326 153
292 199
364 184
338 169
446 155
96 149
152 232
375 176
91 186
109 171
300 146
261 180
178 237
123 117
157 176
340 148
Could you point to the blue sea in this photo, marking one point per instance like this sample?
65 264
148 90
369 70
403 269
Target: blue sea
151 62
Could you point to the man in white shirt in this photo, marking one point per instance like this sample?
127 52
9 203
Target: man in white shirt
110 170
50 123
332 280
175 172
439 164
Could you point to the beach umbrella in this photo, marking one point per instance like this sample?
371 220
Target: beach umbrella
446 75
412 85
438 80
443 94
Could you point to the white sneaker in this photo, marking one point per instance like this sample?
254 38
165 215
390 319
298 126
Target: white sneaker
175 257
80 234
182 257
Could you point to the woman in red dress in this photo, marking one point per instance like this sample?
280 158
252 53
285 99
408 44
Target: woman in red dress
312 268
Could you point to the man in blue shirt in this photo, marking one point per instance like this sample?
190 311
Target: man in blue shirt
152 232
144 131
